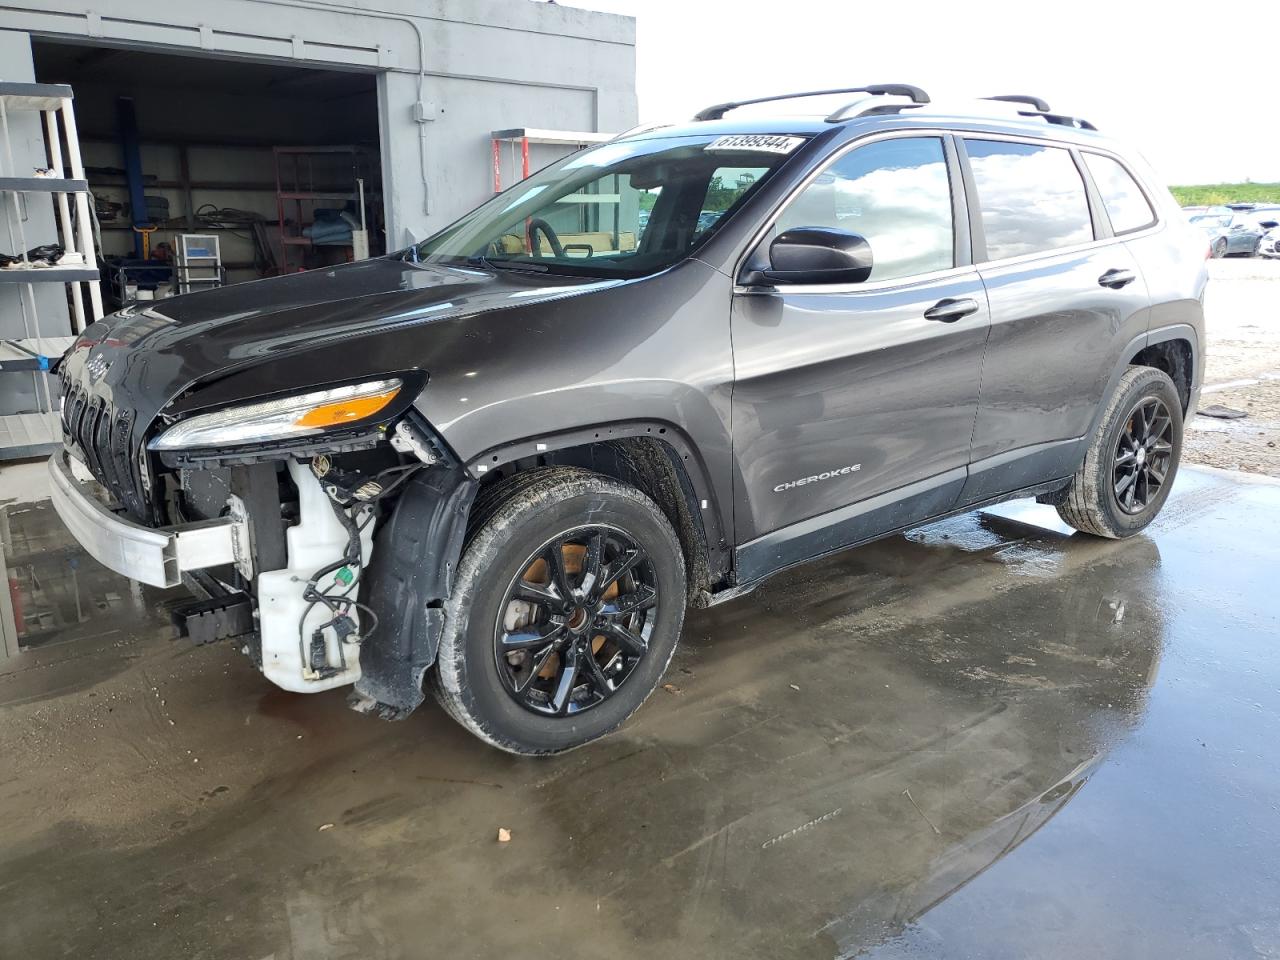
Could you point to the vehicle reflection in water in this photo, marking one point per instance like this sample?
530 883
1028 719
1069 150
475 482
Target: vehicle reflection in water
980 697
886 915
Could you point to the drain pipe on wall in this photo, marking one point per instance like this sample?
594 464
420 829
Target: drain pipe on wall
422 113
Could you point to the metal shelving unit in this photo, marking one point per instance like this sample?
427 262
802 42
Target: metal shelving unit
29 434
298 171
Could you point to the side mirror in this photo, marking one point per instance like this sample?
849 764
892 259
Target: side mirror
816 255
1268 224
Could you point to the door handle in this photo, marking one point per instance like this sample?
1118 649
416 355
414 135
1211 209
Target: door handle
1115 279
949 310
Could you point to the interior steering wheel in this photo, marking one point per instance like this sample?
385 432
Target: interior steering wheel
536 225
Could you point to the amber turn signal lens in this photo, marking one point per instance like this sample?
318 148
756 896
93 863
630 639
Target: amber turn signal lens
338 412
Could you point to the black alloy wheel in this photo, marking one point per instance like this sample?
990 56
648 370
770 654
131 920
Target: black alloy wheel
1143 455
565 610
1131 461
576 622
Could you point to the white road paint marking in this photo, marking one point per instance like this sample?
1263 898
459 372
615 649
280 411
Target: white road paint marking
1244 382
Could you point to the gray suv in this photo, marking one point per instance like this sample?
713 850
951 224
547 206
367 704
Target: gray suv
500 464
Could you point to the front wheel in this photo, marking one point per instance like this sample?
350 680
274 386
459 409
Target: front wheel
1132 458
565 611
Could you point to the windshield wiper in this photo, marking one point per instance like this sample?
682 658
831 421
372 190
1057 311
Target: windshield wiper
519 265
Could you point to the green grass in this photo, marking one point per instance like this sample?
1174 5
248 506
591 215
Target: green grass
1214 193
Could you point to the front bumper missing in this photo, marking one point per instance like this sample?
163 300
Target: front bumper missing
157 556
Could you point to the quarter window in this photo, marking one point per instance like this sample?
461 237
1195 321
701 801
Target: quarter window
726 187
1031 197
1126 205
894 193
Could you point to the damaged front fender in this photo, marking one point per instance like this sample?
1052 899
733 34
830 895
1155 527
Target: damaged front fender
417 554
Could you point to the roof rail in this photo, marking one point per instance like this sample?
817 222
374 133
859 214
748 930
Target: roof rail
639 129
1041 109
1060 119
716 111
864 106
1036 102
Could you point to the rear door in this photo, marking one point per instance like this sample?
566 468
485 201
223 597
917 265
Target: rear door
1066 297
846 393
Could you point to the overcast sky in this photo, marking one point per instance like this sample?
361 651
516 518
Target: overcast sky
1202 108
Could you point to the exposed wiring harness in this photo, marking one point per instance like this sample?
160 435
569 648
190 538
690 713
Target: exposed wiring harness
341 603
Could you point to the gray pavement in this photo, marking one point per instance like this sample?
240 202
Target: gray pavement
987 738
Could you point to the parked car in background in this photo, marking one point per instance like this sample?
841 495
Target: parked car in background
1216 226
1269 242
1231 233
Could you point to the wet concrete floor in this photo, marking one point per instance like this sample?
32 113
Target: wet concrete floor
984 739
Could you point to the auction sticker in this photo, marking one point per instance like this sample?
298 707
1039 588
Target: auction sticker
758 142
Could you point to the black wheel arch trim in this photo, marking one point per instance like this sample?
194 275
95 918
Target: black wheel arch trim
417 550
1176 331
705 507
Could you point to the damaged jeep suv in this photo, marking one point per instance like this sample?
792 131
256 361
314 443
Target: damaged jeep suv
501 463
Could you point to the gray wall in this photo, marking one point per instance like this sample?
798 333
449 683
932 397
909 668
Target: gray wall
52 317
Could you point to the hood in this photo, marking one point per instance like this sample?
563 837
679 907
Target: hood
142 358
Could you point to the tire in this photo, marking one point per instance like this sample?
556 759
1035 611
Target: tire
1219 248
515 527
1091 503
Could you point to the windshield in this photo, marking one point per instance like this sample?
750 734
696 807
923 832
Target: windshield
1211 222
617 210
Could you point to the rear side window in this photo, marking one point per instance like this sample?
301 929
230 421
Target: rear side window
894 193
1126 205
1031 197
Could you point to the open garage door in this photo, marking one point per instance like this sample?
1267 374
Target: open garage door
207 170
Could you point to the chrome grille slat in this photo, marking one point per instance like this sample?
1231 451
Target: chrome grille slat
104 435
88 432
102 442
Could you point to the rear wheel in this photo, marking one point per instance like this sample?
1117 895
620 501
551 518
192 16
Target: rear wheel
565 612
1219 248
1132 459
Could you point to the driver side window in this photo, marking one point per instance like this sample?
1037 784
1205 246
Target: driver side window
895 194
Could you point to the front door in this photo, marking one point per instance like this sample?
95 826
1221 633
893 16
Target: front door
853 404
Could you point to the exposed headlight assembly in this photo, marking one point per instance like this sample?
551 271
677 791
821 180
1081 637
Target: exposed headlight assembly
281 419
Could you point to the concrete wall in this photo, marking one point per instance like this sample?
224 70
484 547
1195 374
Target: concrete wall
450 71
36 212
